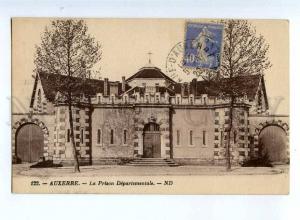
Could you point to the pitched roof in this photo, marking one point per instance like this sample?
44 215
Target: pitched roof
150 72
52 83
242 85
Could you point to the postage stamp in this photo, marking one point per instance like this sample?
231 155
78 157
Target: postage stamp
203 45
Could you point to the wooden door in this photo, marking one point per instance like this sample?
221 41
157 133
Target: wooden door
272 140
151 141
29 143
152 145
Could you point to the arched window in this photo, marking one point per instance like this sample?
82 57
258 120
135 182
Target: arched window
151 127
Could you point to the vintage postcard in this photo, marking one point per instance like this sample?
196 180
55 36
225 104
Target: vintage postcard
150 106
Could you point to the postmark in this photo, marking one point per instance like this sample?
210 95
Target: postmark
175 67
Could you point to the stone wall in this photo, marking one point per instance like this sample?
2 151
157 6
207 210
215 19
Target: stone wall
106 120
201 123
62 140
239 144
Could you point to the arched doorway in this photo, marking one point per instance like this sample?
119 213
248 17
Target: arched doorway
29 143
272 140
152 148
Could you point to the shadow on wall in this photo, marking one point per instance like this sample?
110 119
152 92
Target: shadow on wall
45 164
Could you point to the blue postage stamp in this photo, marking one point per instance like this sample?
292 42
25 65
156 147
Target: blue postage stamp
203 45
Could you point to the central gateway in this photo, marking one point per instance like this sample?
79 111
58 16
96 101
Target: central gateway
152 147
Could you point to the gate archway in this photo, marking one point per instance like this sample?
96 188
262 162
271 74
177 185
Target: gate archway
272 137
37 140
29 143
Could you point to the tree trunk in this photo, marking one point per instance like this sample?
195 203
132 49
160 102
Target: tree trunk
228 146
76 162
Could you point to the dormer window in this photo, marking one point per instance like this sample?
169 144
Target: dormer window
178 100
99 98
157 98
191 99
112 99
125 98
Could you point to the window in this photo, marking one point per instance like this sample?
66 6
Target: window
178 100
125 137
112 99
156 84
178 137
68 135
191 137
204 138
157 98
147 98
191 100
99 136
81 136
111 136
222 137
234 136
39 96
125 99
99 99
204 100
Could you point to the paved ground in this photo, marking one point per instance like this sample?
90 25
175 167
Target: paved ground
113 170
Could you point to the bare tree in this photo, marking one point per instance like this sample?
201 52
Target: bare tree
67 49
244 53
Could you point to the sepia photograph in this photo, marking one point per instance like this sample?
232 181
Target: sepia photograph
151 106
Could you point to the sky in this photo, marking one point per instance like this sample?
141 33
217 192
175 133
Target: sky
126 44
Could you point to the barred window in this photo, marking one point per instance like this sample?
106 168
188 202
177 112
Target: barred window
178 137
191 137
204 138
125 137
81 136
234 136
111 136
68 135
99 139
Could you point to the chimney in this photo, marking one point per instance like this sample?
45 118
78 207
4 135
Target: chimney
182 89
105 87
194 86
123 83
